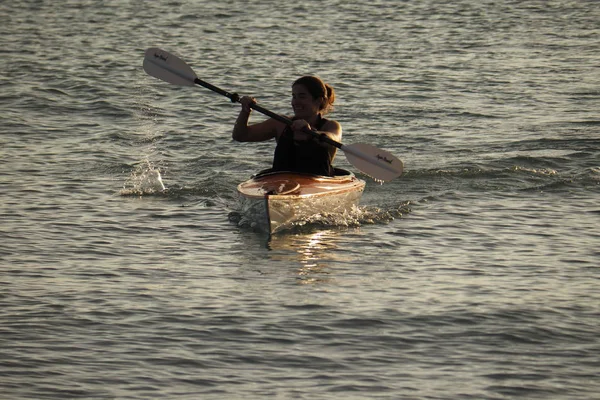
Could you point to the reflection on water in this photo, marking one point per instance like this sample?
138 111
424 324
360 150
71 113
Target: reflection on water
314 252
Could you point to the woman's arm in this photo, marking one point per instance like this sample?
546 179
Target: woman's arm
242 132
332 129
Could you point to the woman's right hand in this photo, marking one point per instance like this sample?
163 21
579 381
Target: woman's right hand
246 102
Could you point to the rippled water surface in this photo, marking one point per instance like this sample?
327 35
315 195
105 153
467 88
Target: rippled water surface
474 275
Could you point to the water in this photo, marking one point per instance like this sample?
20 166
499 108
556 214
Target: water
475 275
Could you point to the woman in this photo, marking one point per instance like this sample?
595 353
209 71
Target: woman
297 150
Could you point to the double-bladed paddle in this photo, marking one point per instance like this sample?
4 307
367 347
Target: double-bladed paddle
380 164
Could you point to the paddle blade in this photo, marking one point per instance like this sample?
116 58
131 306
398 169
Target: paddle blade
379 164
167 67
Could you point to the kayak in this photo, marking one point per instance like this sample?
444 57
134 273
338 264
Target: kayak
275 200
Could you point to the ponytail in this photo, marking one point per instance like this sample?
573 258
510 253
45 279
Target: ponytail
329 100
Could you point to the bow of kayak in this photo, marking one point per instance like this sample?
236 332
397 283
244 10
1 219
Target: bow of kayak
276 200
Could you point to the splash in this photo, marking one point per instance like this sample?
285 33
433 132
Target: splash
535 171
358 216
144 179
355 217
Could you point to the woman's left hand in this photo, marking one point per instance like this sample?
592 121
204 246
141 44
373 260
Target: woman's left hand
300 127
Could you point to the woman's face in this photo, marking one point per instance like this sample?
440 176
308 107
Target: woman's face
303 104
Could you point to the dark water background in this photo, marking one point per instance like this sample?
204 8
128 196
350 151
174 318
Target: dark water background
475 275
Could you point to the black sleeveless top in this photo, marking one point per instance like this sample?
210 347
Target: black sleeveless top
308 156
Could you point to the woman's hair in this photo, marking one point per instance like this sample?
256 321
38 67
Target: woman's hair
318 89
